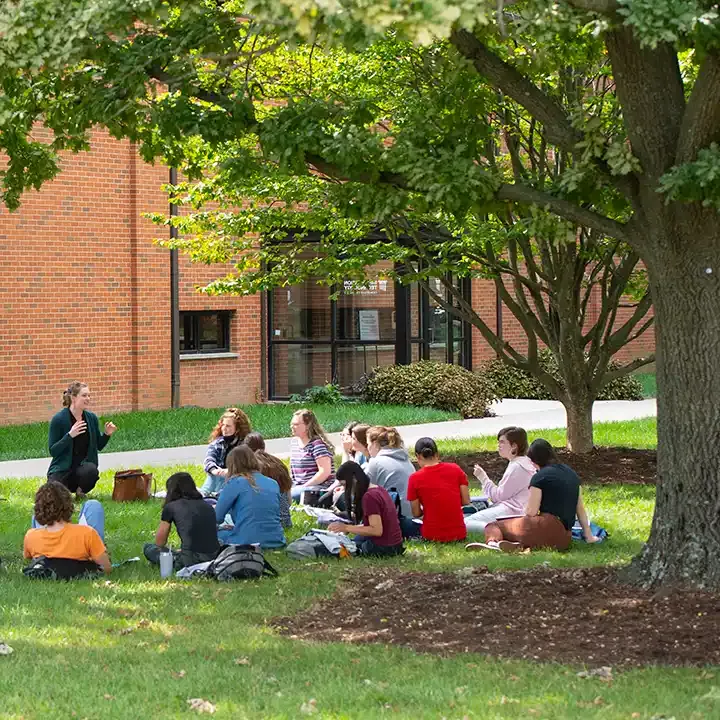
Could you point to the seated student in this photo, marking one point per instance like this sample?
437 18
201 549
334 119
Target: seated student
311 456
437 492
510 496
372 505
54 536
360 443
389 464
274 468
349 446
555 499
194 521
253 501
230 431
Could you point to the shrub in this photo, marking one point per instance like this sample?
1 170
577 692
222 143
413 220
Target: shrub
509 382
319 395
429 384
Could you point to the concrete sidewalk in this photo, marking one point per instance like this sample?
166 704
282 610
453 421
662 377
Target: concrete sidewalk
530 414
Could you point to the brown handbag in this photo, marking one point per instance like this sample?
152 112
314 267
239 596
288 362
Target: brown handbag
131 485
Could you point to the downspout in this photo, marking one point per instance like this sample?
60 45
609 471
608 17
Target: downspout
174 306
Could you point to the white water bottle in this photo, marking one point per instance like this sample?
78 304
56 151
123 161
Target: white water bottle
166 563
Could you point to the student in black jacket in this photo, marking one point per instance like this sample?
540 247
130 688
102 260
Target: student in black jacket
74 441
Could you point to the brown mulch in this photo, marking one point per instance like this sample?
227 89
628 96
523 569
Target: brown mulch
599 467
571 616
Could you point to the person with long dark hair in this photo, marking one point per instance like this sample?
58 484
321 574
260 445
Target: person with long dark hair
369 504
194 521
555 499
437 493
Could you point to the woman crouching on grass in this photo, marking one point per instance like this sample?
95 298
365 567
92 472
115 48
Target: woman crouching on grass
194 521
372 505
555 499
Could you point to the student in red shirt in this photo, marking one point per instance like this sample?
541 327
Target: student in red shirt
379 534
437 492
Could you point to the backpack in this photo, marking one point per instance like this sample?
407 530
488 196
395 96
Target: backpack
45 568
240 562
321 543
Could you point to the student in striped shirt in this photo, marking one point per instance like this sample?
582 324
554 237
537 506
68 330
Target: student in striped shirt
311 456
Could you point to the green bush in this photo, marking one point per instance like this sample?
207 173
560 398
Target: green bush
430 384
509 382
320 395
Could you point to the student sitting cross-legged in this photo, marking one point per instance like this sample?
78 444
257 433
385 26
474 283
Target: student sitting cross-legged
510 496
229 432
437 493
274 468
379 534
555 499
194 521
53 536
253 501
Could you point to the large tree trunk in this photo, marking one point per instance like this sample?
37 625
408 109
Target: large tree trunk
579 424
684 543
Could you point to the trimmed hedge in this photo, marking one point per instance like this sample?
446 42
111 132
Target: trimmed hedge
429 384
509 382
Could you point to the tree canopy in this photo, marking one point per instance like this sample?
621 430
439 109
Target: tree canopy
615 105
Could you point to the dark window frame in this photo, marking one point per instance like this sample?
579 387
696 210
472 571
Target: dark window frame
190 324
403 341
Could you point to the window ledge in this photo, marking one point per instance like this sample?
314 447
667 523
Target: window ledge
207 356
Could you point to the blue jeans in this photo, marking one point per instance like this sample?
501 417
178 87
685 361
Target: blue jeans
213 484
92 514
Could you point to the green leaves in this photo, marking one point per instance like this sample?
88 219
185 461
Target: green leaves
698 181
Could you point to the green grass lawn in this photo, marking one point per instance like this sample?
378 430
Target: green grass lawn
137 646
192 426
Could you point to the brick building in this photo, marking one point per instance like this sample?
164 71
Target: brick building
86 295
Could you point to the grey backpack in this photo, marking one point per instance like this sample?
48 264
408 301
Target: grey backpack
240 562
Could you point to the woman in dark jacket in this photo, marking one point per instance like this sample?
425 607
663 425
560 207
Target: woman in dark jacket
75 440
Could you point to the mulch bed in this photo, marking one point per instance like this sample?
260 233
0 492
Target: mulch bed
571 616
599 467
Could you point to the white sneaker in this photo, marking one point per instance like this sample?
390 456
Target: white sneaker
492 545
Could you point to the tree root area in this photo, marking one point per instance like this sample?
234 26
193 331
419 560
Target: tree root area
583 616
599 467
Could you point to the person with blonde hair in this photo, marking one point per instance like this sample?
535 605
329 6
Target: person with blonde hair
230 431
253 502
74 440
389 464
312 463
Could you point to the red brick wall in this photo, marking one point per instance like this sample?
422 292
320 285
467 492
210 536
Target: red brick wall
86 295
84 292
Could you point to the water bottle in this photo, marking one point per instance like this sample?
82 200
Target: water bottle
166 563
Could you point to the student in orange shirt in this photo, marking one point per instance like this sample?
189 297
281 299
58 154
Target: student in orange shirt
54 536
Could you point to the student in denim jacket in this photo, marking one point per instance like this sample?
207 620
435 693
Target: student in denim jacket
230 431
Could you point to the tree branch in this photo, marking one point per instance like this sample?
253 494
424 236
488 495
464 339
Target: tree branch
602 7
558 128
701 121
626 369
564 208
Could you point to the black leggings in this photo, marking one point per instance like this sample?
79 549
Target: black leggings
84 477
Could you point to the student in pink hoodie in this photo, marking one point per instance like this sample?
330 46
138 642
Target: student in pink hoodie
510 496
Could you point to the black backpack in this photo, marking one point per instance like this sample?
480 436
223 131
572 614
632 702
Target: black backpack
240 562
45 568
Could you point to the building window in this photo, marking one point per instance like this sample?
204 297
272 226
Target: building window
205 332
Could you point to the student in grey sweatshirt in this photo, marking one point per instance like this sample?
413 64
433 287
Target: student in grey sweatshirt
389 465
